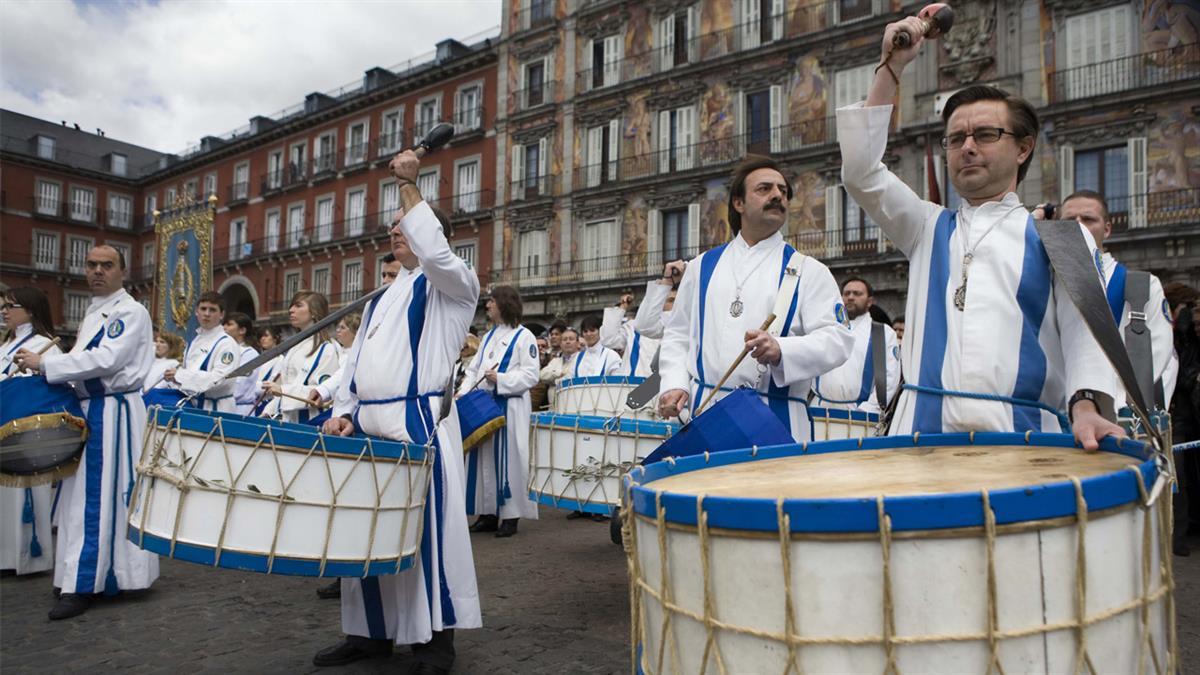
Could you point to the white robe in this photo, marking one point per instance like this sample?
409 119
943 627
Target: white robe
108 366
265 372
25 512
245 388
1162 332
154 379
617 332
850 385
651 318
1019 336
487 491
442 296
209 357
300 371
592 361
813 342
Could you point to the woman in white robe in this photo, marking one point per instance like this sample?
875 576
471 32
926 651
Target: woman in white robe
507 366
306 365
26 544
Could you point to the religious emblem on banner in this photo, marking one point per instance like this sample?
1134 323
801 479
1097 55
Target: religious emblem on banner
184 234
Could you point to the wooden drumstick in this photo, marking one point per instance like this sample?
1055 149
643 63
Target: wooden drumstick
321 406
745 350
45 348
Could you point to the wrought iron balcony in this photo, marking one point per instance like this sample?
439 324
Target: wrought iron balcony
1149 69
532 97
539 13
239 192
533 188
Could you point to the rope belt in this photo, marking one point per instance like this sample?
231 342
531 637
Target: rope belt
398 399
112 393
1063 422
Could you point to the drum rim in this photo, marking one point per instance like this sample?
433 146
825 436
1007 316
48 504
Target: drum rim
567 383
910 512
203 554
238 427
819 412
623 425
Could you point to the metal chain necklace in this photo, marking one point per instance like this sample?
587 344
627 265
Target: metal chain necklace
960 293
736 307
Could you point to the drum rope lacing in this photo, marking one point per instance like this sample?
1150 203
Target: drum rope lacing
889 640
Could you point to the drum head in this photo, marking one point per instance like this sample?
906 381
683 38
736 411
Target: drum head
47 445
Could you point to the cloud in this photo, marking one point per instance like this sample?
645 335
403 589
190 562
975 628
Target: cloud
162 75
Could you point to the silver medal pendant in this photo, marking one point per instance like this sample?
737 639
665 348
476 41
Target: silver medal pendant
960 297
735 308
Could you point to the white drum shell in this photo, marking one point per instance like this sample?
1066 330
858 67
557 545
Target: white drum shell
605 399
339 508
831 425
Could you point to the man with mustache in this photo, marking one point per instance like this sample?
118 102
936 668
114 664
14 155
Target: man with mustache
989 317
728 291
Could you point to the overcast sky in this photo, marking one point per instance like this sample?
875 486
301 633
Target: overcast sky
163 74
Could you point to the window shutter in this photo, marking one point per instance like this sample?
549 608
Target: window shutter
833 221
750 24
525 18
1066 172
693 33
518 170
1138 182
686 119
776 96
614 52
666 43
654 252
777 16
589 65
521 98
692 245
740 122
547 78
664 141
614 145
542 178
592 158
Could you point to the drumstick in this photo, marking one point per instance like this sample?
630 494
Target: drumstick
321 406
745 350
45 348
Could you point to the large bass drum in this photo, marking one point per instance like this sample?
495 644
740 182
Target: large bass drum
603 396
954 553
42 431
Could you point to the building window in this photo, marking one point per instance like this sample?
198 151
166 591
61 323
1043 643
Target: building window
532 253
45 147
295 225
151 205
428 112
1099 37
540 12
466 252
48 195
272 231
275 170
857 226
356 211
210 185
241 181
393 132
675 244
466 188
118 164
291 286
122 249
325 155
77 250
149 254
761 21
45 251
74 308
598 247
529 170
468 108
389 203
1105 170
677 139
600 154
427 183
171 195
677 38
852 84
356 144
120 211
237 239
758 121
534 92
190 189
320 280
853 10
352 278
297 162
83 204
324 224
605 56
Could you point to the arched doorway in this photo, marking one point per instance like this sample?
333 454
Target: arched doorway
239 298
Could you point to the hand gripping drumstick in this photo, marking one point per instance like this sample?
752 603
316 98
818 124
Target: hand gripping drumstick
45 348
745 350
938 19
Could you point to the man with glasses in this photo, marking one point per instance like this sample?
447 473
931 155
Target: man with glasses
995 343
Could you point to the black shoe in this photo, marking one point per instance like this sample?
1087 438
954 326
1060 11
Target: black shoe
574 515
599 518
57 592
331 592
351 649
485 524
69 605
423 668
508 527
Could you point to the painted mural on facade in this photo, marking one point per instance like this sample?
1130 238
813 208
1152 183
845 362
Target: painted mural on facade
1173 150
1170 23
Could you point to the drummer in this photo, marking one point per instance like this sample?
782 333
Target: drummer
506 366
619 333
26 544
240 327
856 385
424 313
594 359
655 310
168 352
305 365
268 339
107 366
990 318
210 356
726 294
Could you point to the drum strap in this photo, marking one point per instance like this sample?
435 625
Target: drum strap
1138 338
1115 292
316 362
8 356
878 362
1063 423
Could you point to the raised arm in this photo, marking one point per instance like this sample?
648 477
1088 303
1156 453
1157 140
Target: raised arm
611 333
649 319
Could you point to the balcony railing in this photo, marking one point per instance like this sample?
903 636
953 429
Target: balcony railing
718 152
533 188
1174 64
119 220
539 13
532 97
1156 209
239 192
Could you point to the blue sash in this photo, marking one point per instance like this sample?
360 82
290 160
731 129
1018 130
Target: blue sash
1116 292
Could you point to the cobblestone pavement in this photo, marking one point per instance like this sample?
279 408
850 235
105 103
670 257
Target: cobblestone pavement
554 601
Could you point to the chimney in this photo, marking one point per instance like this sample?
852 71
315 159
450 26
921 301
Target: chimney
210 143
376 78
317 101
259 124
450 49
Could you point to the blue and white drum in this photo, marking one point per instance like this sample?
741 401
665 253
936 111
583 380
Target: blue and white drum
576 461
954 553
267 496
831 424
603 396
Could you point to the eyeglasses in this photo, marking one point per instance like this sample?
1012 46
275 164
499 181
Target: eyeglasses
982 136
10 305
